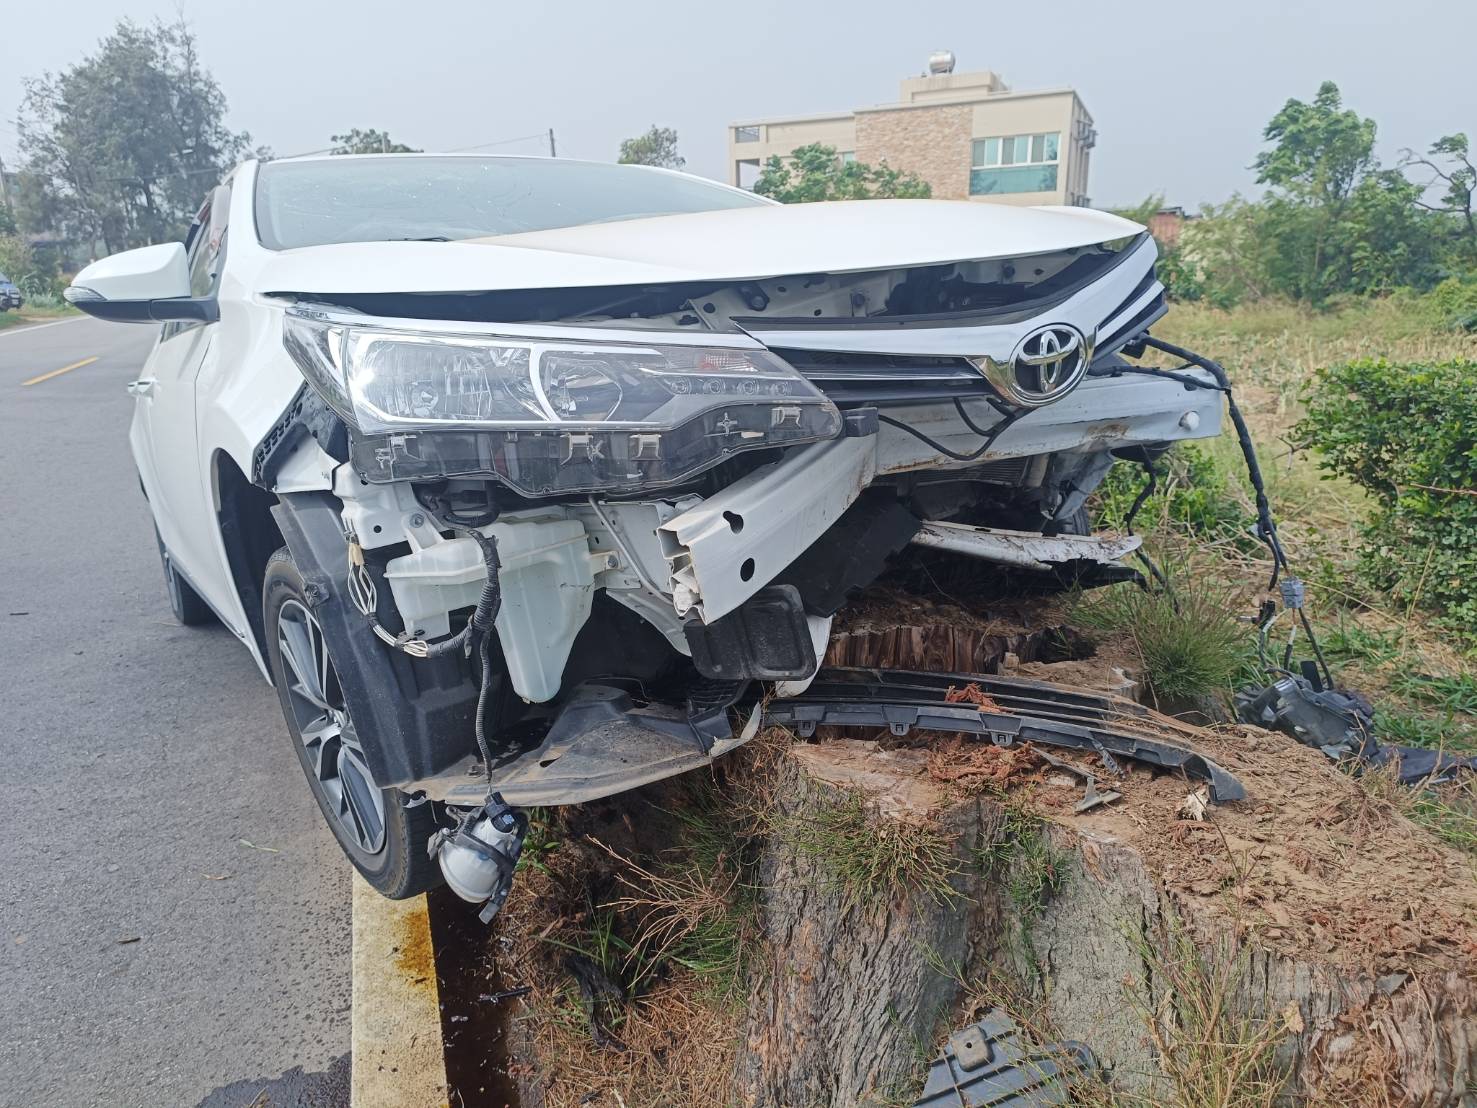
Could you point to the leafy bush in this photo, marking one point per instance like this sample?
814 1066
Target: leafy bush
1455 301
1193 492
1408 435
16 259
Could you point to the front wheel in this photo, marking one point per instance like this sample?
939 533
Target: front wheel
385 840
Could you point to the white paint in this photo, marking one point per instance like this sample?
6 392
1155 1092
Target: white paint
27 328
732 245
148 273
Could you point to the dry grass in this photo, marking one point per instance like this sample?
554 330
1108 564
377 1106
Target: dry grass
1215 1053
672 925
678 1050
1448 811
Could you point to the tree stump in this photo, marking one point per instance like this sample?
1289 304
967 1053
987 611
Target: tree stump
1344 932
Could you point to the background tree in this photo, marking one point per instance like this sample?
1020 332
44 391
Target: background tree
657 146
815 172
368 142
1456 172
121 148
1321 152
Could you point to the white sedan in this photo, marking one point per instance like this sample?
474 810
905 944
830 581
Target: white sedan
520 477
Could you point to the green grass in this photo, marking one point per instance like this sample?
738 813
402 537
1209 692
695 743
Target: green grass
541 842
1033 872
30 314
1022 854
1187 636
874 860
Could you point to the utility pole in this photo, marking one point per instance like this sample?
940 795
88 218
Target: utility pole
5 184
553 153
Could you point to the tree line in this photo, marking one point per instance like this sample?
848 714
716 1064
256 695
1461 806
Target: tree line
118 150
1332 220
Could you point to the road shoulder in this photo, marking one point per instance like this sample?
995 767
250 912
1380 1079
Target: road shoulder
396 1029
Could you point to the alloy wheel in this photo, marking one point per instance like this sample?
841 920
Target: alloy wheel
334 755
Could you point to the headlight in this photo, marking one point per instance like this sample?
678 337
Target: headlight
549 411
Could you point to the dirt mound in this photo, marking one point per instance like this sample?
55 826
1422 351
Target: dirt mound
1310 862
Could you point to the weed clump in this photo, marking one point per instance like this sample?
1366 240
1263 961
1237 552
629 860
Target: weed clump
1215 1051
874 860
1187 637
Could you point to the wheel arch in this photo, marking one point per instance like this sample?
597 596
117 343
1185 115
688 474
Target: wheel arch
249 537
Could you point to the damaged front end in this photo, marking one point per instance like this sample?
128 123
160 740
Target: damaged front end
681 485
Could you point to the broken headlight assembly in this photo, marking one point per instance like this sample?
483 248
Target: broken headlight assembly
550 410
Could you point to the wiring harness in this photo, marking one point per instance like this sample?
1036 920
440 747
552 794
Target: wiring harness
476 635
1291 590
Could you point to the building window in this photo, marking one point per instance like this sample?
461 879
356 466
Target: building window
848 156
1015 163
746 134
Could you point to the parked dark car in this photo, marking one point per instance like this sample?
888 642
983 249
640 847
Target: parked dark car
10 296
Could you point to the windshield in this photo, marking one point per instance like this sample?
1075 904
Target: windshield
380 199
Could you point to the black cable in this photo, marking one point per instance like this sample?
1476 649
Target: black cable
485 648
489 601
1317 650
989 436
1144 493
1266 528
970 423
1154 371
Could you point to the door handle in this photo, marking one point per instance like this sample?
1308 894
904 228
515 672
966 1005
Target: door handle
144 386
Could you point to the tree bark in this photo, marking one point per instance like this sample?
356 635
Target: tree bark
860 991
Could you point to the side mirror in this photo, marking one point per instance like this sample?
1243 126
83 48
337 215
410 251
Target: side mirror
147 285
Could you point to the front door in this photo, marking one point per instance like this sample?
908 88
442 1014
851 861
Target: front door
164 430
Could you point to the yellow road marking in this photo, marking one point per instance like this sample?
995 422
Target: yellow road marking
59 372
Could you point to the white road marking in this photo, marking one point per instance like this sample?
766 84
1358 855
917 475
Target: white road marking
26 327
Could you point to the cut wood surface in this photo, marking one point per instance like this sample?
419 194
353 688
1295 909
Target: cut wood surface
1350 931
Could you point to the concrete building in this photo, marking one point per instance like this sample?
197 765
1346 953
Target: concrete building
969 135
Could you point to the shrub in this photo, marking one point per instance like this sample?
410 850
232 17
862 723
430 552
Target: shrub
1408 435
16 259
1455 302
1193 492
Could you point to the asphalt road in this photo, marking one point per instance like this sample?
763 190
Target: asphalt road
147 955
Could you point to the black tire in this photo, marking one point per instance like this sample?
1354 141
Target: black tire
184 601
395 863
1078 523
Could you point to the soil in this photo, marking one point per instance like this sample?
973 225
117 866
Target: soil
1310 862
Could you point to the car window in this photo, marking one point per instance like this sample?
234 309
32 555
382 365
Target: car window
208 242
205 243
377 199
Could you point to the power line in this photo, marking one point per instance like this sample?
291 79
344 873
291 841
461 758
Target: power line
503 142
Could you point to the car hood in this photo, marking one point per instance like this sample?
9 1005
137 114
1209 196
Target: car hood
733 245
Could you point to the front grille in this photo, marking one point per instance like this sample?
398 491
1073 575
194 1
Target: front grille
850 380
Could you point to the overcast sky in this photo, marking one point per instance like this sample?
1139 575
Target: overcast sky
1179 92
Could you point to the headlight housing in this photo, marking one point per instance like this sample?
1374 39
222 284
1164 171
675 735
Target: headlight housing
549 410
